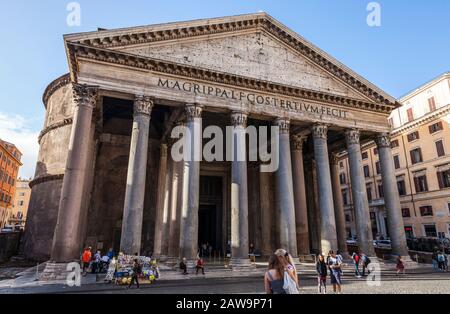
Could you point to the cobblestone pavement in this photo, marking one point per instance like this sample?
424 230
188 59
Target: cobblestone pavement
419 283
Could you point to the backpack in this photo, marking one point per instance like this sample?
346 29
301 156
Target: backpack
289 284
441 258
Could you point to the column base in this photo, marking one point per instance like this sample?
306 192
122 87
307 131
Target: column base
241 264
306 258
54 271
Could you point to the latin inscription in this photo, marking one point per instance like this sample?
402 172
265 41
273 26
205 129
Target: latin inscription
253 98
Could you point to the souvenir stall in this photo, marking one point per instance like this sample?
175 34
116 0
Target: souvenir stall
120 270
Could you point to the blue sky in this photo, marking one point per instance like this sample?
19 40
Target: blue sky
410 47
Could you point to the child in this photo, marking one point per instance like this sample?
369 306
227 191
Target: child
321 268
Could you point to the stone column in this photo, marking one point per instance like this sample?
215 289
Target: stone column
239 193
391 197
133 211
167 210
285 191
359 192
66 242
191 184
381 222
175 204
301 208
160 201
341 231
328 221
267 214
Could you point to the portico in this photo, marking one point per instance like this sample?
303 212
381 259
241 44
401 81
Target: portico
142 83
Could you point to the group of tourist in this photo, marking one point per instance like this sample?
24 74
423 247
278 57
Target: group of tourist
332 265
96 263
199 266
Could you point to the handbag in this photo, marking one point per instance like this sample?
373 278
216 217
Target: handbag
289 284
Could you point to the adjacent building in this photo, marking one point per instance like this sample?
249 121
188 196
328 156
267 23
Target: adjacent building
9 168
18 213
420 142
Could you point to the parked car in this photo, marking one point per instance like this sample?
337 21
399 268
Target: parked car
428 244
382 244
352 242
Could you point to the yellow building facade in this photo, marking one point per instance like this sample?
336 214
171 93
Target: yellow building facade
420 141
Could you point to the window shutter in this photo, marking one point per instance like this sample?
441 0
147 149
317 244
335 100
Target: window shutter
411 154
441 126
430 129
419 150
440 180
440 148
416 184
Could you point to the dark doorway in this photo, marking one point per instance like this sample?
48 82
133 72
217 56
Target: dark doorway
210 216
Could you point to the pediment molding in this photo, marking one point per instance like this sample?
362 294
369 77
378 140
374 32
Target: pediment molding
78 51
259 22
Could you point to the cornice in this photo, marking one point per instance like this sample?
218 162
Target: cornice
78 51
422 120
54 86
259 22
53 127
45 178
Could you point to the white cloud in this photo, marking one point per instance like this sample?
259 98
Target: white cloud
14 129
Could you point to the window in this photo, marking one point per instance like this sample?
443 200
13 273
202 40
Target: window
396 162
378 167
394 144
416 155
435 127
420 183
365 155
380 189
409 232
413 136
444 179
342 178
430 230
375 151
366 171
440 148
344 197
431 104
406 212
341 164
410 114
20 203
347 218
401 187
22 194
426 211
369 192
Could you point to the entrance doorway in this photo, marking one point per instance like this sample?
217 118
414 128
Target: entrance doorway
210 216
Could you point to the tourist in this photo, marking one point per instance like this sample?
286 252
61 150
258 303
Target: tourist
441 261
446 262
96 262
111 254
183 266
274 277
335 264
400 266
200 266
322 272
356 259
137 270
288 263
365 260
86 259
434 260
339 255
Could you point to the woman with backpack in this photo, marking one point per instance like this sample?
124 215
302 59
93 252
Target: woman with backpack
274 277
322 272
288 262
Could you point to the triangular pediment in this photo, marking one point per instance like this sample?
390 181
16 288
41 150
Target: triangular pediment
254 46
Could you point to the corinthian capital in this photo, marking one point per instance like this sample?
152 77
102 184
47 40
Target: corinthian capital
193 111
283 124
297 141
143 105
383 140
84 95
319 131
239 119
334 159
352 136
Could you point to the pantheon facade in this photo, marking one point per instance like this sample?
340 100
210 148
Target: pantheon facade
105 176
